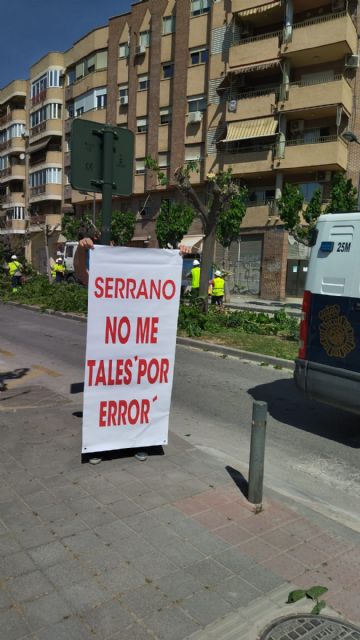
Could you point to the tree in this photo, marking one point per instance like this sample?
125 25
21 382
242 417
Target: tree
122 227
48 231
173 222
300 221
222 207
72 226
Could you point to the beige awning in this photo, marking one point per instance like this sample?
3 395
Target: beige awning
247 129
191 244
260 9
40 145
247 68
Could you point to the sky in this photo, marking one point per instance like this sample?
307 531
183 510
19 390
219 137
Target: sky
31 28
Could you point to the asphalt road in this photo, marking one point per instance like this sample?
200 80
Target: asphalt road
312 451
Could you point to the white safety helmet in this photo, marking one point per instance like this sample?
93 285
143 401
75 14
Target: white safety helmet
14 257
196 263
217 272
58 260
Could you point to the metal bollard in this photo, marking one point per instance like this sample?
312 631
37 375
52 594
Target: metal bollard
257 453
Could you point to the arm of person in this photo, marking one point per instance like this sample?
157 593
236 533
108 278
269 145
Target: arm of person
80 260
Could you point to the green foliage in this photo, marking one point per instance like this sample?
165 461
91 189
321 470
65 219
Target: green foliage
290 206
173 222
314 593
313 210
343 195
194 322
122 227
152 165
40 292
73 226
230 219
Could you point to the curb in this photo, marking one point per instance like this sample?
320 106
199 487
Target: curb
236 353
185 342
296 313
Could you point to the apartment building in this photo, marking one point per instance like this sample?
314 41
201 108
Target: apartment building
266 88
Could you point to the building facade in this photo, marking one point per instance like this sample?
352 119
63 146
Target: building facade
266 88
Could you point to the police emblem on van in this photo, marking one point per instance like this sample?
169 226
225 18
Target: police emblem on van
336 333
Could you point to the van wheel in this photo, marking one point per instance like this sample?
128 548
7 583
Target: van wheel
71 279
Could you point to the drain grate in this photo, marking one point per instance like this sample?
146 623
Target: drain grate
309 627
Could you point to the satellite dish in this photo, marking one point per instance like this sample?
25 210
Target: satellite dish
22 156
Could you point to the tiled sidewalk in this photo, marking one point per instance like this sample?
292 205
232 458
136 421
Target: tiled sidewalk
157 550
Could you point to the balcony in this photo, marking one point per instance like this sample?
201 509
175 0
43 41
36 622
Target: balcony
15 115
87 83
258 214
46 192
12 199
247 160
255 49
306 95
16 226
253 104
324 153
38 99
16 172
336 31
14 144
52 127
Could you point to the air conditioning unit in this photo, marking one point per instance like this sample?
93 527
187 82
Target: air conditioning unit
296 126
337 5
195 116
351 62
140 50
124 99
323 176
232 105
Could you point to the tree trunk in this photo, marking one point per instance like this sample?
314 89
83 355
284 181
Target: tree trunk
206 262
226 268
46 241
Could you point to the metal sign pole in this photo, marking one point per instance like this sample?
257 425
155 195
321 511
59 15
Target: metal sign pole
108 135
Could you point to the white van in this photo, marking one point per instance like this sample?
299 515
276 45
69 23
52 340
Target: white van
328 366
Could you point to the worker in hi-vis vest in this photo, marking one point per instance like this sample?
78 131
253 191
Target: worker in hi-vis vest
58 270
15 269
218 289
194 274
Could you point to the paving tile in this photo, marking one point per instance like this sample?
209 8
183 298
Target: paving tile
46 610
347 604
304 529
134 632
132 547
141 522
149 500
182 553
28 586
84 595
81 541
209 572
97 516
13 626
34 537
48 554
70 629
82 505
59 511
161 536
211 519
281 539
102 558
155 565
237 592
68 526
330 545
285 565
16 564
145 600
125 507
209 544
167 514
66 573
124 578
233 533
178 585
188 528
234 559
171 624
191 506
8 544
113 531
106 620
234 511
5 599
261 578
205 607
258 549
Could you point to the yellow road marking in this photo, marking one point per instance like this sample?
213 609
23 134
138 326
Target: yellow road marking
49 372
3 352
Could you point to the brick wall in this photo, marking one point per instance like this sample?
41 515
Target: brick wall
274 264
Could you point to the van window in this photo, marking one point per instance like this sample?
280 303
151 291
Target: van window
69 251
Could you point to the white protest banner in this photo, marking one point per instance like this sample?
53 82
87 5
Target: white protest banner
130 350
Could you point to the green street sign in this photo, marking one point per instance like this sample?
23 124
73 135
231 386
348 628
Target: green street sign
88 157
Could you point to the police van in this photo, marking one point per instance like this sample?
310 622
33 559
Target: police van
328 366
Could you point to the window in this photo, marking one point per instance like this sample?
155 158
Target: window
79 70
101 101
144 38
198 7
199 56
70 76
165 115
141 125
140 166
123 90
51 175
308 189
192 152
123 50
71 110
143 82
163 160
79 111
90 64
168 70
168 25
196 103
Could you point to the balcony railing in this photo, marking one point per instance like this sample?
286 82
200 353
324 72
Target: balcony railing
314 140
318 80
254 93
5 172
35 191
320 19
40 97
38 128
236 38
235 149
